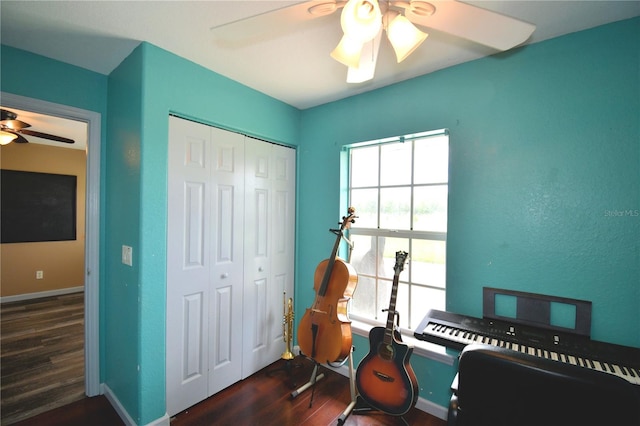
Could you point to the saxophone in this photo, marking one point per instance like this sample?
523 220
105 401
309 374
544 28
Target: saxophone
287 327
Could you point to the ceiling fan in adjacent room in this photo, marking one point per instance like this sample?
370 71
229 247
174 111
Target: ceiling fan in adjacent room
364 21
12 130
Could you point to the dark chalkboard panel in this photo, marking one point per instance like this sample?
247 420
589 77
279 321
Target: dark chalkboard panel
37 207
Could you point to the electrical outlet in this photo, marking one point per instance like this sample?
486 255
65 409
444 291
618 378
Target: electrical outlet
127 255
39 275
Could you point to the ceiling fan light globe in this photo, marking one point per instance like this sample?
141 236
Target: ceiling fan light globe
348 51
361 19
368 60
404 37
6 137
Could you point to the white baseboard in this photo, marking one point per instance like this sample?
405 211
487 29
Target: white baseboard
49 293
115 403
124 415
162 421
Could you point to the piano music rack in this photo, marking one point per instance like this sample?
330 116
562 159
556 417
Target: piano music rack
535 310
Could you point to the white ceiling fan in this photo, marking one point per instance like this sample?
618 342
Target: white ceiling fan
364 21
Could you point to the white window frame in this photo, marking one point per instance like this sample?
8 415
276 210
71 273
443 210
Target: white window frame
360 324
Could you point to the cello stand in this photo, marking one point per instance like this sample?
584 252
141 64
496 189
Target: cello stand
312 381
287 367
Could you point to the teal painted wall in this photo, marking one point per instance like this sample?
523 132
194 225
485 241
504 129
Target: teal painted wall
121 328
149 85
34 76
544 141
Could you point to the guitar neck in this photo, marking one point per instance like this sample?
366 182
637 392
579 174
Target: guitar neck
401 256
391 315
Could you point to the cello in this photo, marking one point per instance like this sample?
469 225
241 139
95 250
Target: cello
324 333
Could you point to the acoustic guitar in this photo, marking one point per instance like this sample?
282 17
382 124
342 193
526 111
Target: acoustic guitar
324 333
384 378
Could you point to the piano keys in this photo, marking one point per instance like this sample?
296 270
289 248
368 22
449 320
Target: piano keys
457 331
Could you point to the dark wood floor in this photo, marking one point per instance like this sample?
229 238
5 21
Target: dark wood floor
42 355
42 369
263 399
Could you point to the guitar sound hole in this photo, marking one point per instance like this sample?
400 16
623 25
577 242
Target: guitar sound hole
383 377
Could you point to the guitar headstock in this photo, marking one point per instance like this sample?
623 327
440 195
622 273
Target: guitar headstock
401 258
349 218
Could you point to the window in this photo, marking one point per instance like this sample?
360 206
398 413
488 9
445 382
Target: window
399 188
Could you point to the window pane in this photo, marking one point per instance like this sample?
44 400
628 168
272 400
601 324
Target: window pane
363 302
428 262
395 208
384 291
365 201
395 164
364 167
391 246
431 163
430 208
364 256
423 299
402 303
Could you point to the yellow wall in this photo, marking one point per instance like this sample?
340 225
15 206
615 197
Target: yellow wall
62 262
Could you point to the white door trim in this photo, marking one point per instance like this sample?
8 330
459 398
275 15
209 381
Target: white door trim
92 237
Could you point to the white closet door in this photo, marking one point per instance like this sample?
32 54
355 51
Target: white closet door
283 240
230 257
227 281
188 266
204 262
269 241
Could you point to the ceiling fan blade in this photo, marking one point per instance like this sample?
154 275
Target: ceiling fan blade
47 136
272 23
475 24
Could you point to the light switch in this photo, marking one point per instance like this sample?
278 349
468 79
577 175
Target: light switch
127 255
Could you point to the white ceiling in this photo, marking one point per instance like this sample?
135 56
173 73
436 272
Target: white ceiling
290 63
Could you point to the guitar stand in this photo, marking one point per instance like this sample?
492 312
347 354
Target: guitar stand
357 405
312 381
361 407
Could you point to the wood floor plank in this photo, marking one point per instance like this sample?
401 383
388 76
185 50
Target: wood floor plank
41 356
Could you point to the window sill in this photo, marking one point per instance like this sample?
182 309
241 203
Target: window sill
420 347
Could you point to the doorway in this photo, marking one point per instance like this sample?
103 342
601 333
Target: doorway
92 222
